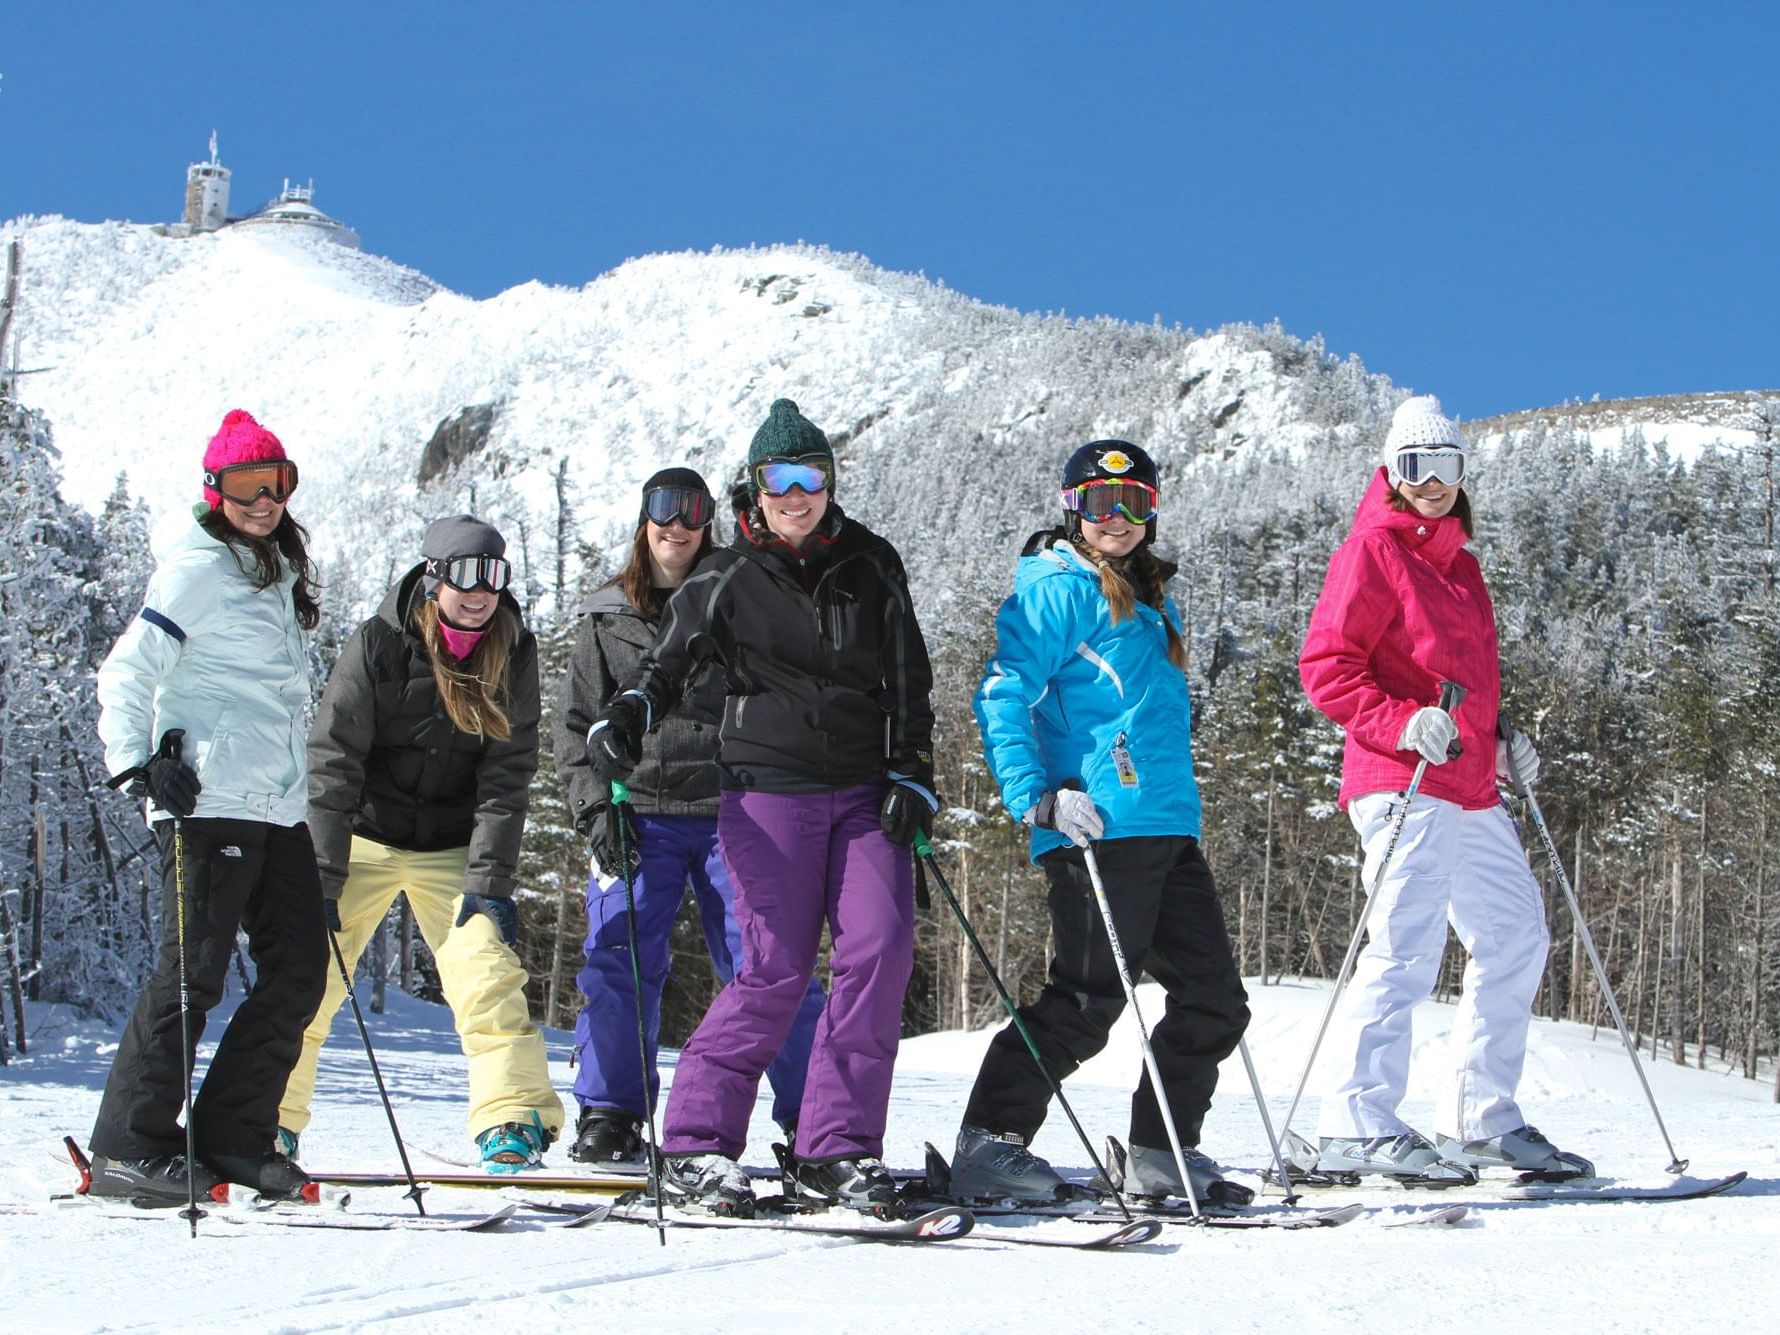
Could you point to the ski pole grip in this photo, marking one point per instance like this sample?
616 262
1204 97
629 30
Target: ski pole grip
1452 695
1505 733
172 744
620 792
923 848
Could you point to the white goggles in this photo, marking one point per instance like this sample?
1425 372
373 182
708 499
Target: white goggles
1416 466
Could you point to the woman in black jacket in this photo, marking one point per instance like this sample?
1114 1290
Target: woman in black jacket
420 762
669 836
826 771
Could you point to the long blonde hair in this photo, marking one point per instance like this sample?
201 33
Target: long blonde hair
474 692
1126 579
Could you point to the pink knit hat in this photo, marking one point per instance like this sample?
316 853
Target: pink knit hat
240 440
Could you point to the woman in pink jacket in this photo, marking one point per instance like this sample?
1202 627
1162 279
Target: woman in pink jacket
1404 608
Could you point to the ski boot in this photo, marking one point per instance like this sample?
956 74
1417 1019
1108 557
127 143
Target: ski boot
1406 1158
709 1182
272 1174
1151 1172
859 1183
157 1180
1527 1152
990 1166
513 1147
610 1137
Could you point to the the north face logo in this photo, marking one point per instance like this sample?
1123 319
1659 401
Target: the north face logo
230 850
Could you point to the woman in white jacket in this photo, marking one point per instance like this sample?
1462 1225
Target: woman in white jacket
216 663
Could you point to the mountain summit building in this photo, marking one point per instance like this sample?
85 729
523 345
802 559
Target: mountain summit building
207 206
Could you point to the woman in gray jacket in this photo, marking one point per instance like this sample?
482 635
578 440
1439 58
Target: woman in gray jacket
671 839
420 762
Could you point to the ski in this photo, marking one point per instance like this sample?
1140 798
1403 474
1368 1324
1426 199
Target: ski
941 1225
1684 1189
285 1215
1138 1231
1440 1214
1266 1217
601 1184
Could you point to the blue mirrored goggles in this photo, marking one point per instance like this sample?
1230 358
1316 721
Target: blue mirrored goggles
689 505
1444 465
468 573
1099 499
810 474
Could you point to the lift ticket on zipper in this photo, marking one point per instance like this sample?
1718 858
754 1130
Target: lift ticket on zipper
1121 759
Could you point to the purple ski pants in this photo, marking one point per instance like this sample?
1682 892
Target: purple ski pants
797 860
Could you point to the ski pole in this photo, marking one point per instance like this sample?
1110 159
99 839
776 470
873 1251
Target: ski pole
620 796
1452 695
924 850
1254 1083
415 1190
170 745
1143 1034
1522 788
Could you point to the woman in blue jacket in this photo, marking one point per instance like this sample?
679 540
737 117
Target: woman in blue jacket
1086 725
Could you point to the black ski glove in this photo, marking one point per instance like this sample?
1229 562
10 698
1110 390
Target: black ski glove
330 913
910 805
503 912
173 785
613 841
615 741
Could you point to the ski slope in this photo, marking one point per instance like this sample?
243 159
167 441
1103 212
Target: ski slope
1568 1267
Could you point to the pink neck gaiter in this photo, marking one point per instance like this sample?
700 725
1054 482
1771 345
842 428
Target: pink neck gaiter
460 644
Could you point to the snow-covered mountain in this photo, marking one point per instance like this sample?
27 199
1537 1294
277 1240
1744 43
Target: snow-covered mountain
951 416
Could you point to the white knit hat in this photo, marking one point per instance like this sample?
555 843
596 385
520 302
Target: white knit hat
1419 422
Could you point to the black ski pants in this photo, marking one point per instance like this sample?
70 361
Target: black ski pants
1165 908
243 874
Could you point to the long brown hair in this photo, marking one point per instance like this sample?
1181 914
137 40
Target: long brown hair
474 692
637 579
1461 509
1125 580
289 540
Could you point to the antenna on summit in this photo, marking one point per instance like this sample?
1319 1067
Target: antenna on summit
213 161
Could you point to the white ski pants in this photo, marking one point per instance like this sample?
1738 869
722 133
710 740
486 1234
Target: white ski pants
1450 865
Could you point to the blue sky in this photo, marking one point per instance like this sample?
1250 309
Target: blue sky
1507 205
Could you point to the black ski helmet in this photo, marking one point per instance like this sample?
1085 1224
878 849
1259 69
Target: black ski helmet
1113 461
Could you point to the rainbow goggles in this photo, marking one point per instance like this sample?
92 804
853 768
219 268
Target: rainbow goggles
689 505
1099 499
468 573
810 473
246 483
1445 465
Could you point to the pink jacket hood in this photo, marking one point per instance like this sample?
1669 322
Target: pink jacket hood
1404 608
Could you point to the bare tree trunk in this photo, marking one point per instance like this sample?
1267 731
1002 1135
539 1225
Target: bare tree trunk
9 938
1677 962
407 940
559 947
33 905
1577 972
380 967
1699 932
1267 872
1751 1044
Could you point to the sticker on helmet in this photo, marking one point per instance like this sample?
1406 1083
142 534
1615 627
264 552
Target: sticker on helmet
1117 461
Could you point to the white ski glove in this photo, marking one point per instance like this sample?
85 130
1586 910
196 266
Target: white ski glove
1430 731
1070 812
1526 758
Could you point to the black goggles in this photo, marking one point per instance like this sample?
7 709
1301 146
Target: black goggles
246 483
468 573
689 505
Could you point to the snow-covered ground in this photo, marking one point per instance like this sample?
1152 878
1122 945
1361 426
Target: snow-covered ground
1566 1267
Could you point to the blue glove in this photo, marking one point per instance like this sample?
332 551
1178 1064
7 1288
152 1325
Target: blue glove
504 912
